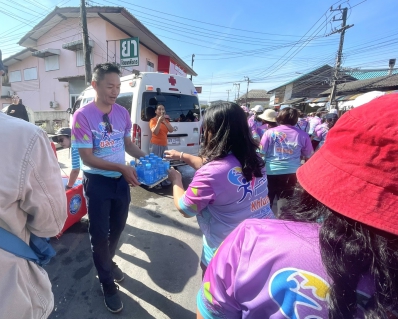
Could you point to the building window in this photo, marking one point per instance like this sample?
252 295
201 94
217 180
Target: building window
30 74
80 58
150 67
51 62
15 76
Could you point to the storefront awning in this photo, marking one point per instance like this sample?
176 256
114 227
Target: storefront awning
321 99
317 100
310 100
293 101
70 78
76 45
46 52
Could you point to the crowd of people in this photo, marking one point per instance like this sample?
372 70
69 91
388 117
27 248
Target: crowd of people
329 250
332 251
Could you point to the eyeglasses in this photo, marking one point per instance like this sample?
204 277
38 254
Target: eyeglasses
108 125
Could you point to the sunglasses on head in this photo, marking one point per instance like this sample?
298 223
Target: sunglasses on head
108 125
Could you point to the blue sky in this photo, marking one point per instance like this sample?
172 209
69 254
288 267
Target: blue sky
270 41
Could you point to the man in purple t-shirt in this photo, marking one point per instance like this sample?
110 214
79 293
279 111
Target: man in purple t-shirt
101 131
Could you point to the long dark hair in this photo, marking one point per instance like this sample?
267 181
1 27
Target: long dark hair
350 250
226 131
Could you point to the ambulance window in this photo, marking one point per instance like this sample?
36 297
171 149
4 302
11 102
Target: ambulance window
180 108
125 100
87 100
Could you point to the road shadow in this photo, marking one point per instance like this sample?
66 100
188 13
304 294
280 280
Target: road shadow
171 261
163 303
75 284
162 219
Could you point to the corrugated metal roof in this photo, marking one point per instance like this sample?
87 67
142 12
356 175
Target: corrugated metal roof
321 69
370 74
321 99
390 81
256 94
292 101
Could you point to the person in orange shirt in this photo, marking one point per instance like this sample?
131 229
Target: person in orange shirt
159 126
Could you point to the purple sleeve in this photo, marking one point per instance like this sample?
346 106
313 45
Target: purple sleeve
307 148
200 193
81 132
265 141
216 296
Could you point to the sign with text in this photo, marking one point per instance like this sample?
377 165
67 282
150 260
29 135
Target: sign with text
129 52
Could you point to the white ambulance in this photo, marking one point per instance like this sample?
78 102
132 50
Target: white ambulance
139 94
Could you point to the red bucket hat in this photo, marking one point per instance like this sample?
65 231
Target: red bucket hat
355 172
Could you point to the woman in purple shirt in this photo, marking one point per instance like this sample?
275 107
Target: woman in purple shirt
284 146
229 185
334 252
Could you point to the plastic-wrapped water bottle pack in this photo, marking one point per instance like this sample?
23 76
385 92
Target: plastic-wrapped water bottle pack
151 169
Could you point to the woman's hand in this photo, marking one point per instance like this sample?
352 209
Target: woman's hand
172 154
161 118
174 175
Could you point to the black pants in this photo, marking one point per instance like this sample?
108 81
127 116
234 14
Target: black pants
281 186
108 201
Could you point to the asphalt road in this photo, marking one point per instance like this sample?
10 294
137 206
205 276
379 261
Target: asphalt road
159 252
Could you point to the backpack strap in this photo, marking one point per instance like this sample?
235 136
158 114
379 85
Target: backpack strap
15 245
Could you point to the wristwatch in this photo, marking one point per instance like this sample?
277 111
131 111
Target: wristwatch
68 187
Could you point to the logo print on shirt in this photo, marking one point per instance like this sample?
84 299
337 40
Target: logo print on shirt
281 144
235 177
291 287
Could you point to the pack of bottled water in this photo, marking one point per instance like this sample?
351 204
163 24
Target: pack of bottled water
151 169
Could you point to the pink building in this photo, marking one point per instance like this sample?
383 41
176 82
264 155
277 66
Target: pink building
48 74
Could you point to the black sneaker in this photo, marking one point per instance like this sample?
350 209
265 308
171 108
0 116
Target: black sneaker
118 275
111 297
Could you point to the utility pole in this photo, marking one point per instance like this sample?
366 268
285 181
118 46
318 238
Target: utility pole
228 95
339 53
247 90
193 55
237 96
86 46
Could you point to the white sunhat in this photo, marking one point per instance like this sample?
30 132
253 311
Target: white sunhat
268 115
258 109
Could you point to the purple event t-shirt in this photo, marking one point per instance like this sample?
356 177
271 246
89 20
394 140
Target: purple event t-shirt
89 131
303 124
270 269
253 124
320 133
221 198
313 123
259 131
283 147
